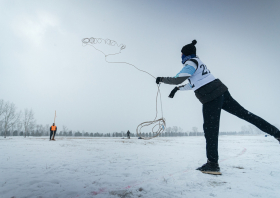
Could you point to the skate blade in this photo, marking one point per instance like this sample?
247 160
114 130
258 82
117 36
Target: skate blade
212 172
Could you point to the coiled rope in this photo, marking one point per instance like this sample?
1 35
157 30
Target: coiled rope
159 124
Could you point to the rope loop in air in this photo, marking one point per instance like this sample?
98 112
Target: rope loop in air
159 123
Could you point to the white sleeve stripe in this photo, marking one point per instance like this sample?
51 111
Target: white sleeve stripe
191 64
185 87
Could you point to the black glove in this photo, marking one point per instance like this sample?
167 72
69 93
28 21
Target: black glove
172 93
159 79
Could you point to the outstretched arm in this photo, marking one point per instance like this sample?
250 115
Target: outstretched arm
174 80
187 71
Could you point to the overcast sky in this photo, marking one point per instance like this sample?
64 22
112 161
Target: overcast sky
44 66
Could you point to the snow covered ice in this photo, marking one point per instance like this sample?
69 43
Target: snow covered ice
114 167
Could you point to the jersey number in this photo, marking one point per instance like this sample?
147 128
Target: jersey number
205 70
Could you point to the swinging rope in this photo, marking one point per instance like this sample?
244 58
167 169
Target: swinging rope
159 124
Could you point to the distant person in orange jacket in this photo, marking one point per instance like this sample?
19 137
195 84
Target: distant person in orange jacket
53 129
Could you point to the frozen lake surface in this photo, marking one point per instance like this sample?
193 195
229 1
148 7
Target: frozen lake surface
157 168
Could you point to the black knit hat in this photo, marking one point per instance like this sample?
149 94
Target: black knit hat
189 49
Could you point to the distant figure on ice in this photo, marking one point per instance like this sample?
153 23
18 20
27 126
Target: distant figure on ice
214 96
128 134
53 129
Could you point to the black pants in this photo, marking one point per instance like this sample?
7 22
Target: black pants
211 116
52 134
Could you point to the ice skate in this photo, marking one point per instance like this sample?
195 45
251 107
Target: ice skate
210 168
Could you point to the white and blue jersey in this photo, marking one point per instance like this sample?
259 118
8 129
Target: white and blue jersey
197 75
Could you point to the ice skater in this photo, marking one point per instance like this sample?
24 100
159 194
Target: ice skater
214 96
53 129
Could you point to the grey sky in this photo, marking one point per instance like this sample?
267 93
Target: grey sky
44 66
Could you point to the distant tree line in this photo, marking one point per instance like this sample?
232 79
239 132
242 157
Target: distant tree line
41 132
14 122
18 123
